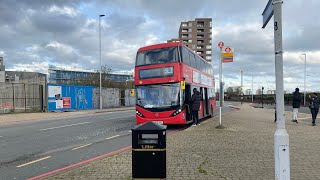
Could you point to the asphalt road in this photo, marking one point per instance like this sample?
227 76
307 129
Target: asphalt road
32 148
58 143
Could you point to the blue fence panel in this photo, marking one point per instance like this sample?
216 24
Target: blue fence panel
69 97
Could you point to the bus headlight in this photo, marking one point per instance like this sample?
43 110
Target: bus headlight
176 112
139 113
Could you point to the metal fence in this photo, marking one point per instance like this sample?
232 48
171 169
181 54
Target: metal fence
19 97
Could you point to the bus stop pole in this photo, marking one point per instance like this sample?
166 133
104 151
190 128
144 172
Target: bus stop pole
281 137
221 87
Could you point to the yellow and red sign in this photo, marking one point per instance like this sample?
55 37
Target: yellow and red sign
227 55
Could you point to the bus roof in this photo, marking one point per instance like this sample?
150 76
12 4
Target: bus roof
159 46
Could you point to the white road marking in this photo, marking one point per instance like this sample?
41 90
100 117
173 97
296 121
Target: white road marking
122 117
34 161
129 131
113 136
80 123
304 118
81 146
65 126
1 136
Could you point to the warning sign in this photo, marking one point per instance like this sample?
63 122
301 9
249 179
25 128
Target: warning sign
66 102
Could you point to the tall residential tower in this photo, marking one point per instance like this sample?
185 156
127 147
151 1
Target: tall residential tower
197 35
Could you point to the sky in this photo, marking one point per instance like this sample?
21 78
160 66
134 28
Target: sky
65 33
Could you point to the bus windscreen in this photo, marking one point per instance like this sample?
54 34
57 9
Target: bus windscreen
157 56
158 96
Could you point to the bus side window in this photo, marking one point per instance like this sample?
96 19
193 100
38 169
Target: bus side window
211 93
203 66
198 61
192 60
185 56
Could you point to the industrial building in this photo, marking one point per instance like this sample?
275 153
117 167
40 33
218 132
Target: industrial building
65 76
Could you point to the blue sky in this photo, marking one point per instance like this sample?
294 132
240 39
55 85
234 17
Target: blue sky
64 33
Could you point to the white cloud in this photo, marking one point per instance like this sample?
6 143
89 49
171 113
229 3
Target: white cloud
298 57
66 33
41 67
151 39
121 51
69 11
60 48
32 48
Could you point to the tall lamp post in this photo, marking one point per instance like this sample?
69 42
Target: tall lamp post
241 93
252 88
262 96
101 15
305 67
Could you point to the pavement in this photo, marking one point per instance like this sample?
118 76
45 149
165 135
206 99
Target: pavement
24 117
242 150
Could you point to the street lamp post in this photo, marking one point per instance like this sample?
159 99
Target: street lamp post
262 96
305 67
241 93
252 89
101 15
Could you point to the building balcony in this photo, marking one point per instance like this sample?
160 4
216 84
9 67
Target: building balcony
200 24
184 30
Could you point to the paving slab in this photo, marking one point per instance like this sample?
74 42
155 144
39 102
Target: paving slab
243 150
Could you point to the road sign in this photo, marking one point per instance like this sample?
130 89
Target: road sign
227 59
227 54
267 13
221 44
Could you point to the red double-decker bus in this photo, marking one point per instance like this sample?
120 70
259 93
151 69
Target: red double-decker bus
165 75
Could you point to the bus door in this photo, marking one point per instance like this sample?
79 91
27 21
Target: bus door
187 101
202 102
206 100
